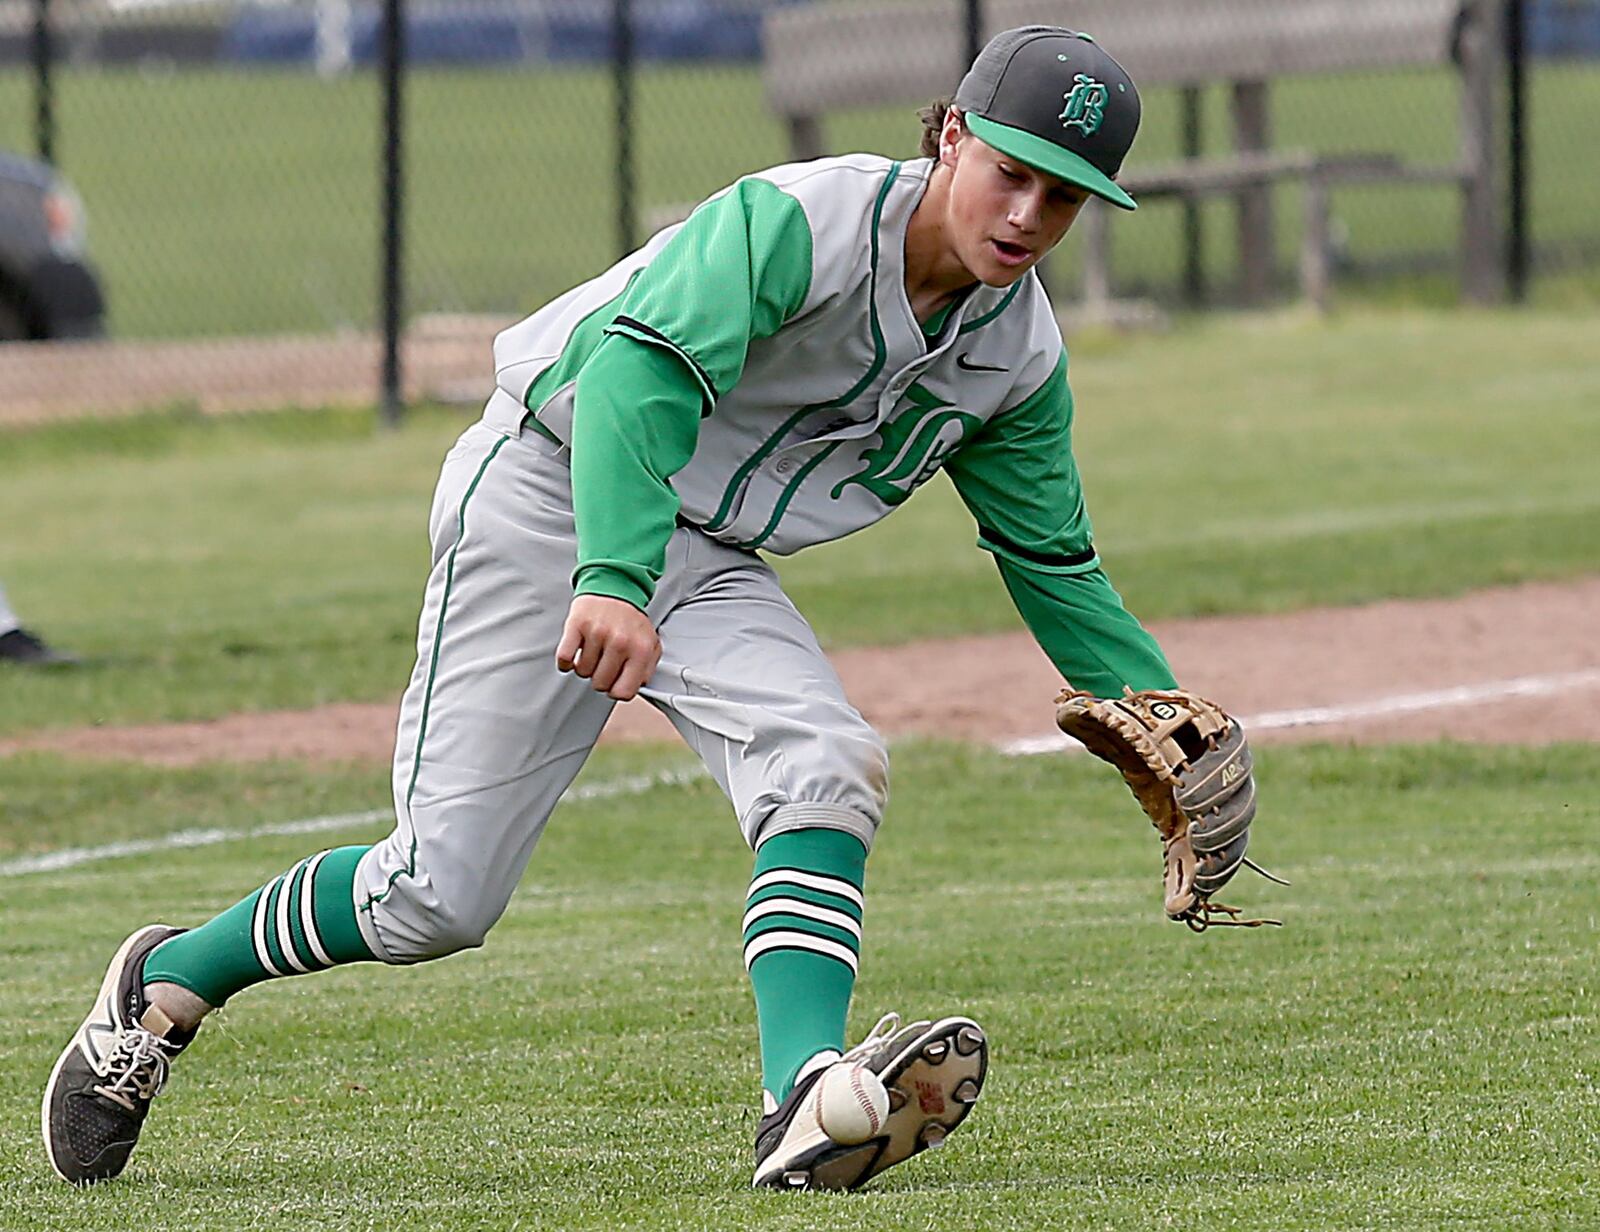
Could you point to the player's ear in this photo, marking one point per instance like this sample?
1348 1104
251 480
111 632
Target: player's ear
951 136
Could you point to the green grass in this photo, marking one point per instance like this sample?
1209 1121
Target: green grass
49 802
1270 463
1252 464
221 565
1412 1051
209 218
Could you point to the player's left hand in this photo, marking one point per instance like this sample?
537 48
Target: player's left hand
611 644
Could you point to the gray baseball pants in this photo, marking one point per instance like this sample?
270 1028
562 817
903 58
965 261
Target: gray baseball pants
491 734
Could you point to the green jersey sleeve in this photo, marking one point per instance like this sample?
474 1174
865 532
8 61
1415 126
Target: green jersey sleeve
636 421
737 270
1020 481
1080 622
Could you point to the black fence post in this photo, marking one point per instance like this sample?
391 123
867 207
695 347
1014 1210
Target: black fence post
1194 270
974 33
1517 238
43 87
391 399
622 81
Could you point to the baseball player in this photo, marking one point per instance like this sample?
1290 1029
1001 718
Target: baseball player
785 367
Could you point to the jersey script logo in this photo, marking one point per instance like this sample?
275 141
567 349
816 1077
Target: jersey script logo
913 446
1086 105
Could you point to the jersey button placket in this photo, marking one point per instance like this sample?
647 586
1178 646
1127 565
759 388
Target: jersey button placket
892 392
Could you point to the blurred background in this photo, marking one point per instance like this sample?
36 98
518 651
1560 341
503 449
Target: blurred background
246 198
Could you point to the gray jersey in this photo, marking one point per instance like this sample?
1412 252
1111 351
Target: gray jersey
831 419
757 373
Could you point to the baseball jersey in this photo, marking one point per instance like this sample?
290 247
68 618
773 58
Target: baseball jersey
757 372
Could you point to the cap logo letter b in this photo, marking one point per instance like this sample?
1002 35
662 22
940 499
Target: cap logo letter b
1086 105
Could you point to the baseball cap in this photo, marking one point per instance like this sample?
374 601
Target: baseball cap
1052 98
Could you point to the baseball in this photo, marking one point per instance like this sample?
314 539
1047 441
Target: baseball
851 1104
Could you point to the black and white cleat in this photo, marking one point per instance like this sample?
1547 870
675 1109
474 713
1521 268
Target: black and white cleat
933 1073
116 1063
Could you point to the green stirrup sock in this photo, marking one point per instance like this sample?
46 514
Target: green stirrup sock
802 940
303 921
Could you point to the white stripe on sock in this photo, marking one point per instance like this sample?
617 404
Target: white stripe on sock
809 881
783 939
798 906
258 931
308 918
285 933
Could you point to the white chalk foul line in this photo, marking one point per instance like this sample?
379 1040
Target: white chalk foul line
1372 708
1314 716
73 857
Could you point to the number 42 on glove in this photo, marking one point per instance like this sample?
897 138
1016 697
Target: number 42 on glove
1187 763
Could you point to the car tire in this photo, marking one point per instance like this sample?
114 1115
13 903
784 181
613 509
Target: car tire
64 301
13 326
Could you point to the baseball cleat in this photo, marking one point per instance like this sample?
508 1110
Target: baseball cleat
932 1073
30 650
101 1087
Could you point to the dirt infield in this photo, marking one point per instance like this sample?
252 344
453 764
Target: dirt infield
444 358
1516 665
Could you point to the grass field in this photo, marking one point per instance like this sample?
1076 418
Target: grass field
246 202
1414 1051
1248 464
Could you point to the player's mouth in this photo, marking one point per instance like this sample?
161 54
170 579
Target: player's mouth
1009 254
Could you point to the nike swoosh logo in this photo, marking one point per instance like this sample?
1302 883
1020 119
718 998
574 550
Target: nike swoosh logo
961 362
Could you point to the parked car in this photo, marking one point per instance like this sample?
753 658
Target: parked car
48 288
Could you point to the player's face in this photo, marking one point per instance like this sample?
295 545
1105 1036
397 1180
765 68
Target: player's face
1003 214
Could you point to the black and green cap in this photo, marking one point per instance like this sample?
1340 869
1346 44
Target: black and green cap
1053 99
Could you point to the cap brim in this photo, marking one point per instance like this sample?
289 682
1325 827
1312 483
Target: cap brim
1049 157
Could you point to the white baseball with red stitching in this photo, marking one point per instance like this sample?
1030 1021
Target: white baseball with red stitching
851 1104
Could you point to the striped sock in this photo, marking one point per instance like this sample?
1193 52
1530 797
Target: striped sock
302 921
802 941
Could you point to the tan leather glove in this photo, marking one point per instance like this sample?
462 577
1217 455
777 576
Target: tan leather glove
1189 766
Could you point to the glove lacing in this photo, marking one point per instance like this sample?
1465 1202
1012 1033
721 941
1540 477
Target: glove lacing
1208 913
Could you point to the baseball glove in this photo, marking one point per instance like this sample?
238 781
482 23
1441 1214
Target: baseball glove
1188 764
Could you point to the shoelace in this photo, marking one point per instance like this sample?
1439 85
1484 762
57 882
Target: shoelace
136 1068
876 1038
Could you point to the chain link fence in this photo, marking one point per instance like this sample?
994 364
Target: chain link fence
228 159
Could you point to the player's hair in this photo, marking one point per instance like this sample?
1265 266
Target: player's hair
932 117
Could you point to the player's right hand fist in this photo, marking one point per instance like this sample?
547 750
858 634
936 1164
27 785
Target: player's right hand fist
611 644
